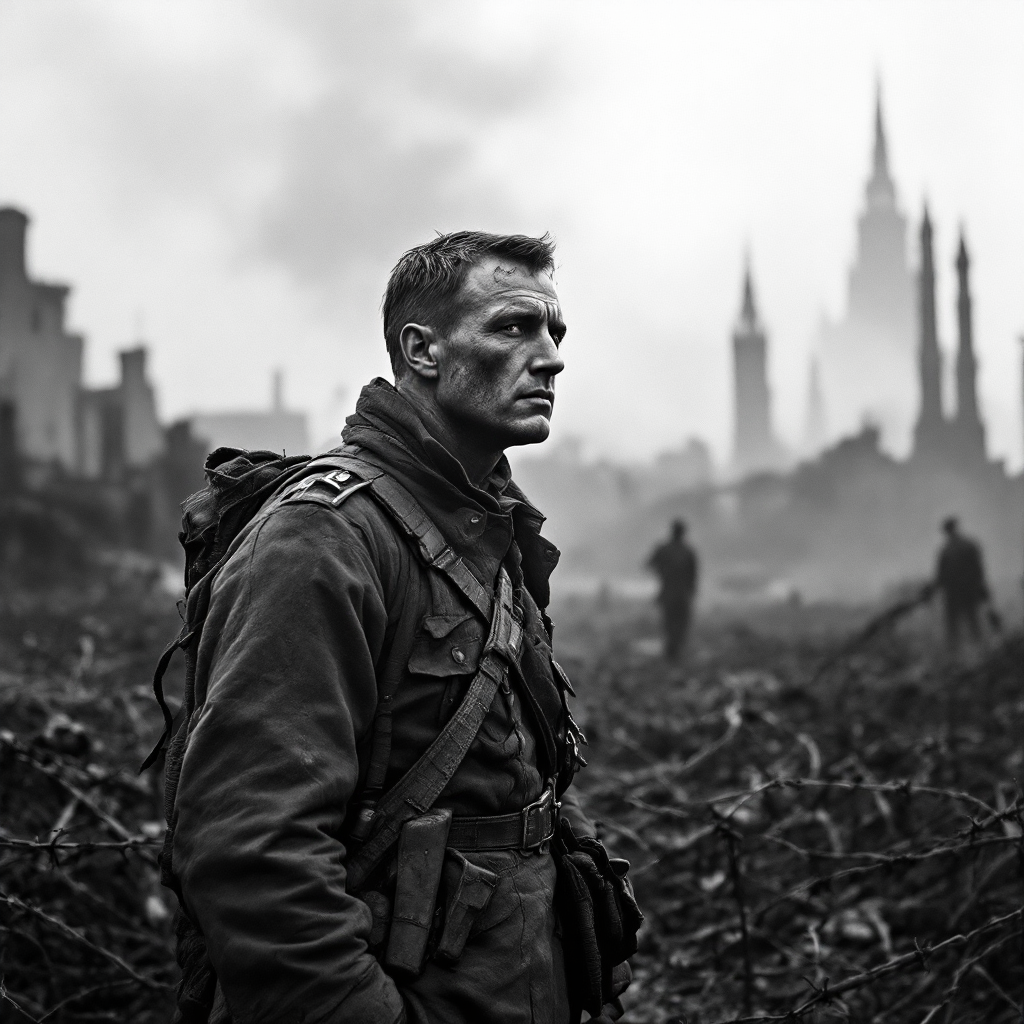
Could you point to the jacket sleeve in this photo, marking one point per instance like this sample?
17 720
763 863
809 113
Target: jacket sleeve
296 624
573 810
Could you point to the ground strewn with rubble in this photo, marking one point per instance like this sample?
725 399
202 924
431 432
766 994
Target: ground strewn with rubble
839 845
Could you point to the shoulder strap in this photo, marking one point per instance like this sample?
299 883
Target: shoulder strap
423 783
414 522
417 790
433 548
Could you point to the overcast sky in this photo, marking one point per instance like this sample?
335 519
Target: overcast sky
235 180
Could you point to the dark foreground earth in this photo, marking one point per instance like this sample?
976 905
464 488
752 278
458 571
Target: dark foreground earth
837 845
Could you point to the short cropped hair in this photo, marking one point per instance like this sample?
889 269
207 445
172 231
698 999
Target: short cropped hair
425 283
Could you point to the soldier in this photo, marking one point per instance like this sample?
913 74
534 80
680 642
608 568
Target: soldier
675 563
960 578
368 803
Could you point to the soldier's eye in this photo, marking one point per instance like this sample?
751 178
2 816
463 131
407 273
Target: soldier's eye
514 330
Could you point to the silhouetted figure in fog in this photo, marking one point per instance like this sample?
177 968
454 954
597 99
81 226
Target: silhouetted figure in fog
675 563
960 577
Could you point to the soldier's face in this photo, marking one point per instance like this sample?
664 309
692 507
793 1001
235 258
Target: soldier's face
497 365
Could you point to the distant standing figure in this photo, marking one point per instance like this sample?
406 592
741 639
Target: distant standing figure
675 563
960 577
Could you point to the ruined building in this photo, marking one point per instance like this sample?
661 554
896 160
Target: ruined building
119 431
941 442
40 361
756 448
867 359
48 419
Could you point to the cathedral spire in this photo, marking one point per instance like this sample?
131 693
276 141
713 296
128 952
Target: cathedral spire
815 426
748 311
968 430
930 428
881 192
881 161
756 448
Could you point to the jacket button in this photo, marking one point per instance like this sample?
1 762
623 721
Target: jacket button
458 655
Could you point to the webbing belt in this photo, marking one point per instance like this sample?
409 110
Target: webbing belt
526 830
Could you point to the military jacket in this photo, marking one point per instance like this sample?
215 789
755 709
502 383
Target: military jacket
318 603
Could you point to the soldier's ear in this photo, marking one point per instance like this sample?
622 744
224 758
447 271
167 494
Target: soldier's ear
419 349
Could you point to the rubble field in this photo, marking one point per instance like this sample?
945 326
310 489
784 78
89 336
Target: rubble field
812 838
807 845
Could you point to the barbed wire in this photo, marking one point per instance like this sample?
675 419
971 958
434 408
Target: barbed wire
910 860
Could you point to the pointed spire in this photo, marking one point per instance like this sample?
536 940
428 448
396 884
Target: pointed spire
815 426
748 312
881 161
929 432
963 261
755 445
969 432
881 192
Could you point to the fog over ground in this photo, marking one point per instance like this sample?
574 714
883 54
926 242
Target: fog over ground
235 180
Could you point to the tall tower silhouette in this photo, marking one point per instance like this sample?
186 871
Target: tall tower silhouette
867 358
930 429
755 445
967 431
877 296
816 424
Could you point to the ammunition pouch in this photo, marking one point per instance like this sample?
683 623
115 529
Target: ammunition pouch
421 850
428 902
600 920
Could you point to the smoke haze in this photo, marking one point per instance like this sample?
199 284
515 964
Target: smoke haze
235 182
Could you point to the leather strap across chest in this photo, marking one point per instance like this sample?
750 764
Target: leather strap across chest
417 790
409 516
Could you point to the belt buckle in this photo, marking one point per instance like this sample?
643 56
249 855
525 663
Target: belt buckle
546 802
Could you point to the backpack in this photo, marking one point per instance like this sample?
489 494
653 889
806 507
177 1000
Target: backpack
240 483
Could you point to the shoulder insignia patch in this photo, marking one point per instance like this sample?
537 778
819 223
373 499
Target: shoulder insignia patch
330 488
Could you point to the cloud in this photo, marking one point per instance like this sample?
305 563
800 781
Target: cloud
388 151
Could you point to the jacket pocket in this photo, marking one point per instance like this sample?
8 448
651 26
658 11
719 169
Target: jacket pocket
447 645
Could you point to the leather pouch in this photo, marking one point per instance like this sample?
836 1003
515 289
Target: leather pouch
421 851
470 895
600 918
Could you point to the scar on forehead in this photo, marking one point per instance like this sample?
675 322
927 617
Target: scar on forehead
503 272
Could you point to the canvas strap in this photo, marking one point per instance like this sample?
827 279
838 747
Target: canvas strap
414 522
417 790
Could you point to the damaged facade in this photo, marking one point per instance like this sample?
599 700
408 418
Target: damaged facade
40 360
95 461
54 424
102 451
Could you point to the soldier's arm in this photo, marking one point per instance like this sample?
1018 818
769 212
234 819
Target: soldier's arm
572 809
979 559
296 625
